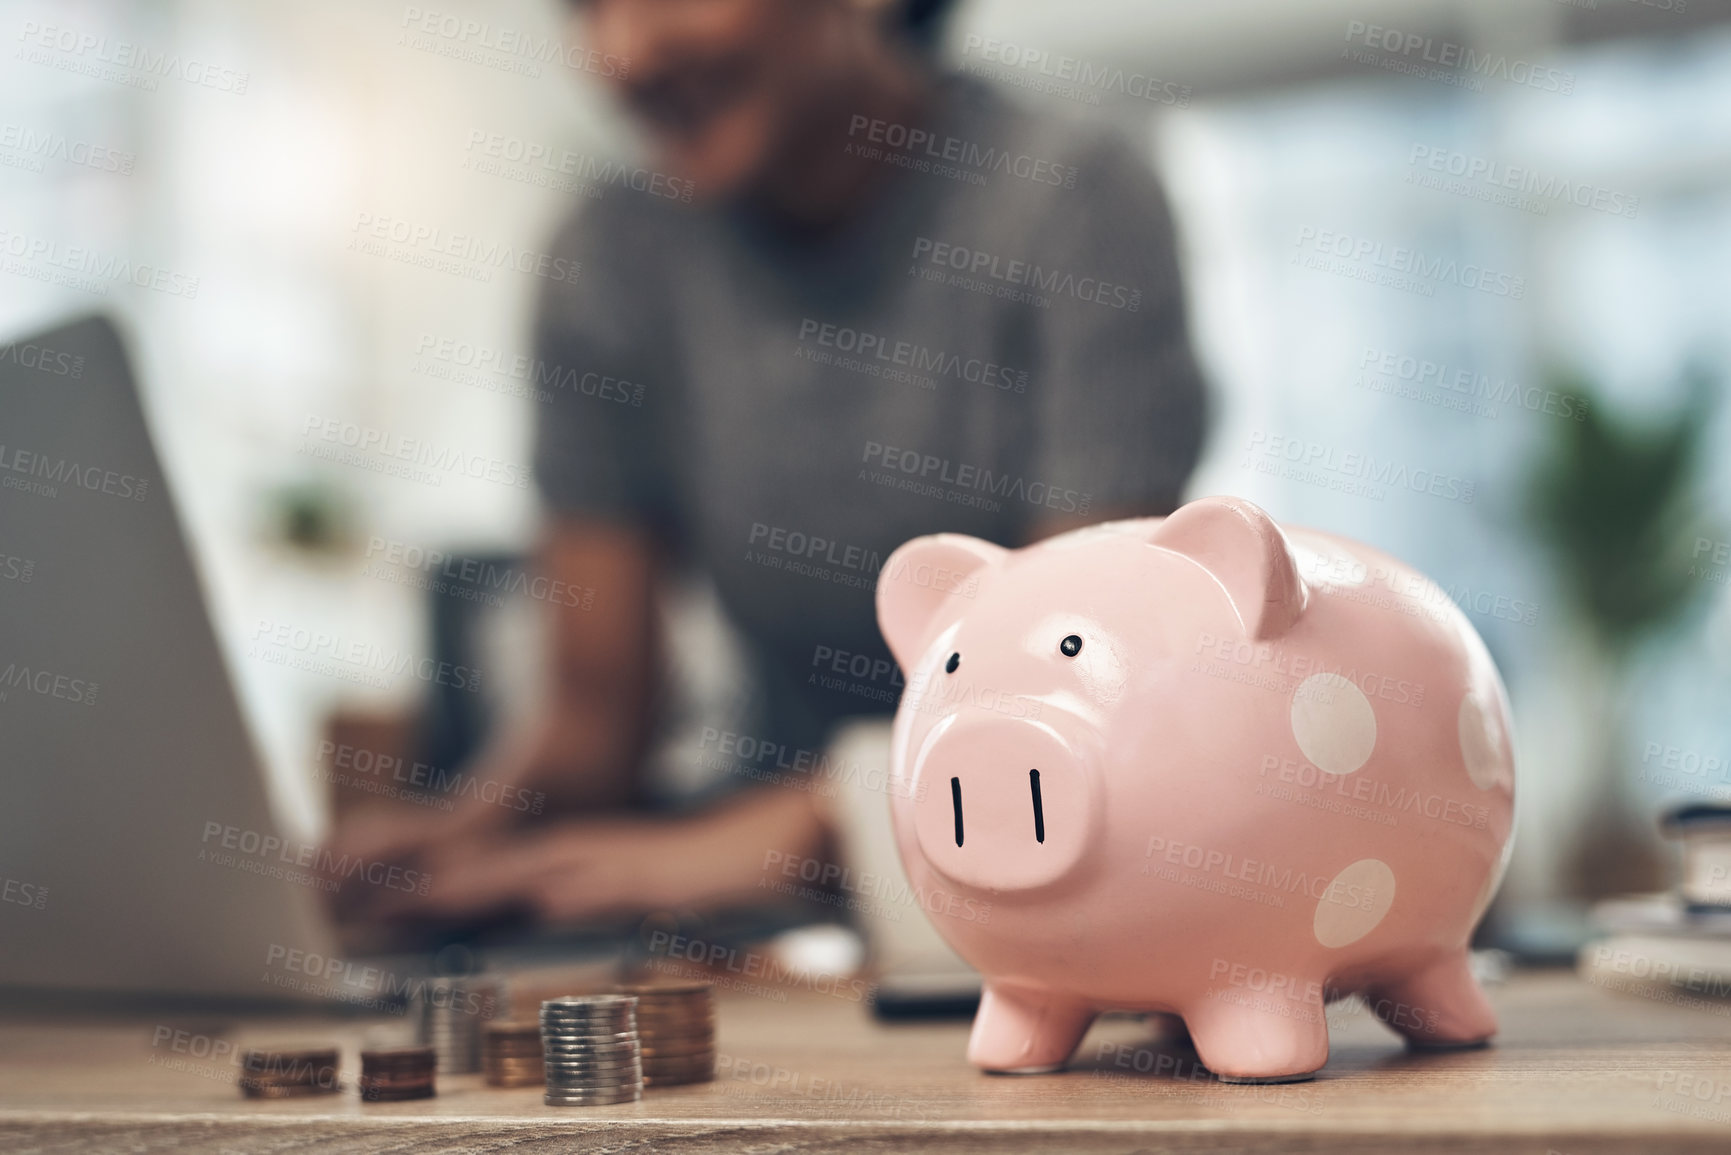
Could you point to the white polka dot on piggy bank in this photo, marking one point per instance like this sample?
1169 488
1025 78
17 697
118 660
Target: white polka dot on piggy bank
1151 767
1354 903
1333 723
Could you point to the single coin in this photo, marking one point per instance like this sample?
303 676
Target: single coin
554 1073
411 1053
692 1063
508 1027
288 1090
695 1019
396 1094
683 1057
619 1051
582 1014
553 1100
313 1055
669 987
611 1062
678 1046
610 1050
602 1062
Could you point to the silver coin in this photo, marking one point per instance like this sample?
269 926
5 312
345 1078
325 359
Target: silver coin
591 1083
592 1071
587 1026
594 1062
605 1014
577 1062
579 1012
597 1037
556 1081
605 1081
584 1030
590 1100
608 1060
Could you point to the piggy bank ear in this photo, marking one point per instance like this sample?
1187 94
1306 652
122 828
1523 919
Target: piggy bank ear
1246 553
925 584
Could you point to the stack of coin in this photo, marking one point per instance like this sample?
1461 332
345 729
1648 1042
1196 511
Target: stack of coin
591 1053
286 1074
451 1011
676 1023
397 1073
511 1052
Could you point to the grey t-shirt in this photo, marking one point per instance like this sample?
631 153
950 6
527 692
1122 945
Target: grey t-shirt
997 338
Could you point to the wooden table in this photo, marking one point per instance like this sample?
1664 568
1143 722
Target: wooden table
1577 1070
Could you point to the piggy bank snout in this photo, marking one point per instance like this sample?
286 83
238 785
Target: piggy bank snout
1003 804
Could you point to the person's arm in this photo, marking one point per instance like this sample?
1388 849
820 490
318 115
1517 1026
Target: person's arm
606 477
583 753
604 666
583 747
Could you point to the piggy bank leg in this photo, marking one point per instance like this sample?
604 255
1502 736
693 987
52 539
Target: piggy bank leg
1440 1006
1247 1044
1024 1032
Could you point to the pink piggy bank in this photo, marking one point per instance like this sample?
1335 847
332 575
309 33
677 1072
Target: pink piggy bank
1201 766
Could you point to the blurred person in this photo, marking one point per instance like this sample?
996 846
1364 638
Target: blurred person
896 305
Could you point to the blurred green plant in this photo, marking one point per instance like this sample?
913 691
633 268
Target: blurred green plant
1614 501
311 515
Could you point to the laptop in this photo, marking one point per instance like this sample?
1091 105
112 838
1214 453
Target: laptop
137 847
138 852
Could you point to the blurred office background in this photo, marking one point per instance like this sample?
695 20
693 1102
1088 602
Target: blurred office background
1580 401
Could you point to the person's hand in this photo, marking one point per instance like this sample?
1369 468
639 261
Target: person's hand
381 832
398 832
567 872
583 869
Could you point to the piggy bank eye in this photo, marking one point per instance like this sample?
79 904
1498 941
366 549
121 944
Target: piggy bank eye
950 666
1071 646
